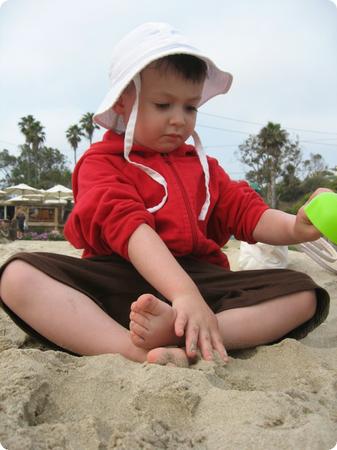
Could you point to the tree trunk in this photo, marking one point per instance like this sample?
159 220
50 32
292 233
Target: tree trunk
35 164
29 165
273 199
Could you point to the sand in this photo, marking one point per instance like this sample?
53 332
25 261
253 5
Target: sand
282 396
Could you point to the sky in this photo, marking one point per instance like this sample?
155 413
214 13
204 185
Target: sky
55 57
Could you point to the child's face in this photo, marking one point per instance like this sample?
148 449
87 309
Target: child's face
167 109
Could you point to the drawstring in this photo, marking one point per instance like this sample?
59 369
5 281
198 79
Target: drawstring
204 164
128 142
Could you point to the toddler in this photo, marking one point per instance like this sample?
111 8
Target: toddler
152 214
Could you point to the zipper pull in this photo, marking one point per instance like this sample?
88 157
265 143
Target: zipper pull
165 156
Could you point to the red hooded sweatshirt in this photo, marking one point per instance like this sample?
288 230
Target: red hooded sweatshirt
112 196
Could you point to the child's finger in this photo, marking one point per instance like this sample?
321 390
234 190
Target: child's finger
180 324
192 338
219 347
205 345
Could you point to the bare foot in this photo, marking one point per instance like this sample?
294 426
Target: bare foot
152 323
168 356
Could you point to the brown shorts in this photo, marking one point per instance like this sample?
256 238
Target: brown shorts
113 284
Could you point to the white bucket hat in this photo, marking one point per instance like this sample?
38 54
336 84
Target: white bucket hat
140 47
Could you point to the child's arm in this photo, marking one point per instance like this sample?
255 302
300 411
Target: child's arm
279 228
157 265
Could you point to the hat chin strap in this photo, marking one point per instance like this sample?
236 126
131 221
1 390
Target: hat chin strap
204 163
128 142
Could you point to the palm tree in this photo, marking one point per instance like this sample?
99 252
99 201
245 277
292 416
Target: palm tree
34 136
74 134
88 126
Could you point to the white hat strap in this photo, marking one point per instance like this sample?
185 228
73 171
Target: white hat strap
128 142
203 161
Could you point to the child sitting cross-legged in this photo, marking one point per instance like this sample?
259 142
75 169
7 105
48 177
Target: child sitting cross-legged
152 214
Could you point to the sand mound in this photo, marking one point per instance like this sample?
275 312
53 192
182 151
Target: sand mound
272 397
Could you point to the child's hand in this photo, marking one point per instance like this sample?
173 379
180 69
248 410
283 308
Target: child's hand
304 230
197 321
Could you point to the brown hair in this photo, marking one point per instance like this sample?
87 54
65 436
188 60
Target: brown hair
188 66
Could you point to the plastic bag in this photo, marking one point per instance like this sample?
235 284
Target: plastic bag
262 256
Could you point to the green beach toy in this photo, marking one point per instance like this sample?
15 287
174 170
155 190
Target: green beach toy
322 213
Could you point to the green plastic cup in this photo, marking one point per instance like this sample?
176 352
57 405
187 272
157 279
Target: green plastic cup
322 213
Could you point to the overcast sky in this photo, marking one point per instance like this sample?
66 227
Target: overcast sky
55 55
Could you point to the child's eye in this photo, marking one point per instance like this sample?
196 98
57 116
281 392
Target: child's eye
162 105
191 109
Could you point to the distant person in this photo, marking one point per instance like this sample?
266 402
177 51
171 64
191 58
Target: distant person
67 210
152 214
12 225
20 219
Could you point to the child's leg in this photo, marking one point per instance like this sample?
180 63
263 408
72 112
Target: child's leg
267 321
63 315
152 321
67 317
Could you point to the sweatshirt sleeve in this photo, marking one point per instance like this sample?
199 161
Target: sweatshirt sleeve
237 211
108 209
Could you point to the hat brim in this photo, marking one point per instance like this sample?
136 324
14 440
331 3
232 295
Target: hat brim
217 82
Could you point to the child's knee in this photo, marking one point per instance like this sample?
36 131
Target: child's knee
15 279
309 304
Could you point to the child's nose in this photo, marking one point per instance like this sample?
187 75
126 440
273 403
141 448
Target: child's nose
178 117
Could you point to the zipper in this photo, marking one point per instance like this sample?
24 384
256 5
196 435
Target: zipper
186 200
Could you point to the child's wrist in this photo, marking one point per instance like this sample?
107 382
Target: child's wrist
184 297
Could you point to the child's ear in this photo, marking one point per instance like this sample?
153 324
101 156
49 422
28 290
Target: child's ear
119 106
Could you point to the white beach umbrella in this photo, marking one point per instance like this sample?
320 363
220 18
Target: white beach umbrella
17 199
2 193
59 188
59 191
21 189
35 197
55 201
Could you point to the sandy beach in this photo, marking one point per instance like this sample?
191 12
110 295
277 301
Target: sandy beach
282 396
